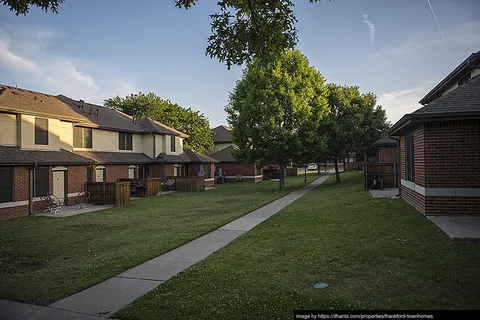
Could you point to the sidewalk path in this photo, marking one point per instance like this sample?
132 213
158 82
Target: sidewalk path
107 297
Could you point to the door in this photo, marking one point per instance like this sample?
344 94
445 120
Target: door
59 184
99 176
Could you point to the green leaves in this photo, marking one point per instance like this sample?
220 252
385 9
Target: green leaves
273 107
23 6
193 123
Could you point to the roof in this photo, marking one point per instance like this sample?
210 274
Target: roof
461 103
225 154
196 157
385 142
172 158
115 157
16 156
25 101
153 126
473 61
105 118
221 134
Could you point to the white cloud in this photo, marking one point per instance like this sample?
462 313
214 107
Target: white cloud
371 27
402 101
24 55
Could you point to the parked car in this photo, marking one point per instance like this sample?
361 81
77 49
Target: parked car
312 166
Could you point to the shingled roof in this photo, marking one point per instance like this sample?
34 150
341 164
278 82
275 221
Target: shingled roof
463 102
196 157
385 142
10 155
103 157
221 134
153 126
225 154
172 158
35 103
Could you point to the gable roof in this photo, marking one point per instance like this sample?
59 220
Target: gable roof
221 134
385 142
17 156
29 102
196 157
461 103
473 61
115 157
225 154
153 126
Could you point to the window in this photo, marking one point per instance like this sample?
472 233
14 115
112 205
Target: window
41 182
6 184
172 143
89 174
208 170
465 79
144 171
82 137
41 131
125 141
409 151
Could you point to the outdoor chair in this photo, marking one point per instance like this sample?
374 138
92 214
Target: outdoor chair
82 204
169 184
52 204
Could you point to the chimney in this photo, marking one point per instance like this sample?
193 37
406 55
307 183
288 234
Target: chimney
81 103
96 112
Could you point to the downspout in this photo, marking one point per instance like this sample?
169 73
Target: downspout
31 187
399 168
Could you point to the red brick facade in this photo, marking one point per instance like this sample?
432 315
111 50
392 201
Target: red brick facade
231 169
387 154
446 158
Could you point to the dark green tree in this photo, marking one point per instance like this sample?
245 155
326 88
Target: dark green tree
271 104
193 123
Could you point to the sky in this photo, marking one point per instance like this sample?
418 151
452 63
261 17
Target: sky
93 50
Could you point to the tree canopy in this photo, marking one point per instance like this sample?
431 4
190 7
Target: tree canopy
271 106
241 29
193 123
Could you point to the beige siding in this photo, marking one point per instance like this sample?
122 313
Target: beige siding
220 146
159 144
8 129
60 134
178 145
104 140
148 145
137 143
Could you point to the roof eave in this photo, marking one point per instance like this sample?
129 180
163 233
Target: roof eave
41 114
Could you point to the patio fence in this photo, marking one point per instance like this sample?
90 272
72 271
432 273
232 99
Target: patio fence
387 172
188 183
154 185
117 193
351 166
291 172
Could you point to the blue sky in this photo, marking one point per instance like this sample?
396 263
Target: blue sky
93 50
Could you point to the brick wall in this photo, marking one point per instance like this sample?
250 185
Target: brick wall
115 171
447 155
14 212
232 169
453 154
387 154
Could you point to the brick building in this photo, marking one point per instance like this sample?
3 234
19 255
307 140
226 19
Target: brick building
387 150
440 145
227 165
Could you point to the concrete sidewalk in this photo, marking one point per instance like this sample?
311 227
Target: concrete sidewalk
107 297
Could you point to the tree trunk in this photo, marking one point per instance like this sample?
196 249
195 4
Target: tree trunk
318 168
305 174
282 177
326 165
337 173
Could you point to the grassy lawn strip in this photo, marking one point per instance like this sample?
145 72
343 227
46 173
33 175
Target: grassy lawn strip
44 259
374 253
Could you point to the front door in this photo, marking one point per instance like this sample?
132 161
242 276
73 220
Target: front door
59 184
99 175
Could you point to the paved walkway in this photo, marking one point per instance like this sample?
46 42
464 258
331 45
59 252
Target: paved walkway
107 297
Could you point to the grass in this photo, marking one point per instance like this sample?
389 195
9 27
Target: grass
44 259
374 253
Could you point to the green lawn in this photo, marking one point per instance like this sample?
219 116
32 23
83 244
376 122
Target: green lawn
374 253
44 259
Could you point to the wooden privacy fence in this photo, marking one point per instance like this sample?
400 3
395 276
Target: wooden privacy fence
188 183
349 166
291 172
117 193
153 185
384 174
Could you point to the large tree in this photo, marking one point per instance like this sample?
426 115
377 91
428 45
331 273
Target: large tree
193 123
241 29
271 104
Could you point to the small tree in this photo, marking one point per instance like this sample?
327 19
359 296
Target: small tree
271 104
